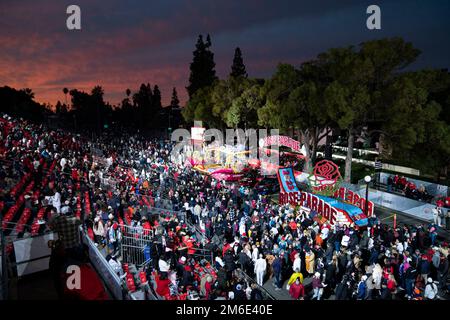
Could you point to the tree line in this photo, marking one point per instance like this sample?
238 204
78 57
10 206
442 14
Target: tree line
88 111
348 90
342 92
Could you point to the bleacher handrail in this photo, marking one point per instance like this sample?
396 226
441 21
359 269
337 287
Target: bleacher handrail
250 280
111 279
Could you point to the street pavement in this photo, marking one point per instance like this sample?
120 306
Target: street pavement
385 215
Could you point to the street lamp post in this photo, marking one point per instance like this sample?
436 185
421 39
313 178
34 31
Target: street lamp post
367 179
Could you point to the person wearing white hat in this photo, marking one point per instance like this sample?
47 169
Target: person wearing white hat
56 201
345 240
362 288
431 290
99 230
65 209
163 265
297 262
318 286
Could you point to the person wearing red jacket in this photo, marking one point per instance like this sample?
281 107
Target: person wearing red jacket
225 248
297 290
392 285
208 287
75 175
447 202
146 226
293 225
402 182
162 286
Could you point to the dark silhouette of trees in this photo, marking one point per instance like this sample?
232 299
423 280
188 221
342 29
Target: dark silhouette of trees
156 103
58 107
343 89
170 116
90 110
65 91
20 103
142 100
202 68
238 67
174 101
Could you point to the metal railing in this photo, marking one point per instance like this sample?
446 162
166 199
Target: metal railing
110 278
135 245
11 233
241 274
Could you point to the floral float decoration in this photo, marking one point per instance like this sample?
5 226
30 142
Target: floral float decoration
325 178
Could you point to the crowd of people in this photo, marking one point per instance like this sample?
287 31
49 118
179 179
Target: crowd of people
219 240
408 188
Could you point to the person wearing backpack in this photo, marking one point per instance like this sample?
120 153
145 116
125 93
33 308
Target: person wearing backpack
410 276
362 288
443 271
402 272
431 290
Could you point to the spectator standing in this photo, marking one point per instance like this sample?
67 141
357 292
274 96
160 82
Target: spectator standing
260 269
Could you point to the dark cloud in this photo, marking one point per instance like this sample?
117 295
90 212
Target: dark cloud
124 43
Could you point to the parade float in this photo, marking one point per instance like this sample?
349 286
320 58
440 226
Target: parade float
319 192
233 162
226 162
323 196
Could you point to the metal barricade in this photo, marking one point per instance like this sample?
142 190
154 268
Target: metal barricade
109 183
203 254
135 245
96 152
242 275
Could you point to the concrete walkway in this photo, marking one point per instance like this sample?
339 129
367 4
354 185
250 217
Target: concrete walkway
283 294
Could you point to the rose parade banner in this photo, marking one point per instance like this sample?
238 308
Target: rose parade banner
326 174
282 141
327 207
351 197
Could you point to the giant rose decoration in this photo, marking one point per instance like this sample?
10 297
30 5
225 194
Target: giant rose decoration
325 175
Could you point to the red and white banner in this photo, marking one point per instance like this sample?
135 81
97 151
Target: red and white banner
282 141
353 198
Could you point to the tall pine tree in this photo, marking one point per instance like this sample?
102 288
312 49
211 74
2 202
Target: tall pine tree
238 67
202 68
143 101
156 99
174 102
